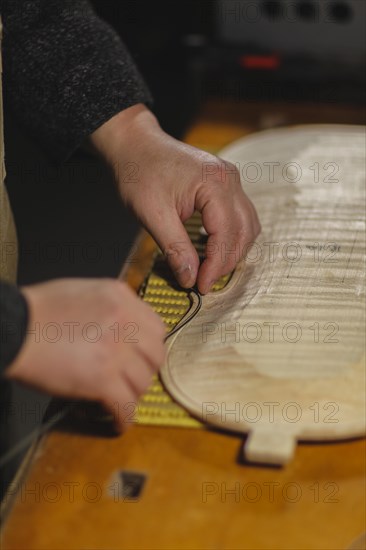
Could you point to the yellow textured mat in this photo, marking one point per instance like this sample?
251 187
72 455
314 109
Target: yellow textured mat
160 291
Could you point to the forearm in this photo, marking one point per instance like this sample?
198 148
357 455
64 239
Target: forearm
66 72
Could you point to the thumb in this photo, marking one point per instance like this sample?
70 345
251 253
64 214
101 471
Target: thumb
173 239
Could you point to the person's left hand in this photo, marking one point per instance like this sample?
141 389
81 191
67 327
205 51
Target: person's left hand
164 181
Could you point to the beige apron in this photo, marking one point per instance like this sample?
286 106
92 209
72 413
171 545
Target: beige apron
8 272
8 238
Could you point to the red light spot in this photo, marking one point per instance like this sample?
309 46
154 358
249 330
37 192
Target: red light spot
266 62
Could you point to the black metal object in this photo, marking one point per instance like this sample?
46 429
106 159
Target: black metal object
128 485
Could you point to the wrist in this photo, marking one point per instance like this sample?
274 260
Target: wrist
119 136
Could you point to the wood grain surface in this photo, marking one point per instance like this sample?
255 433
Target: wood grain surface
280 352
198 493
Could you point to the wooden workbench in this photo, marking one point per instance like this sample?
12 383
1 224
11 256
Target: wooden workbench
197 494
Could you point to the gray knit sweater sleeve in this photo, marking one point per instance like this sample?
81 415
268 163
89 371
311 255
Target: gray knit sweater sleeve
66 71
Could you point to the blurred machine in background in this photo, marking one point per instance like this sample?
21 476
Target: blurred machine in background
320 31
299 49
291 50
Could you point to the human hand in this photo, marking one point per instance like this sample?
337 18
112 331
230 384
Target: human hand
91 339
164 181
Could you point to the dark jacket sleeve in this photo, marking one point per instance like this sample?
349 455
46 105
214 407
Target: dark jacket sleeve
13 323
66 72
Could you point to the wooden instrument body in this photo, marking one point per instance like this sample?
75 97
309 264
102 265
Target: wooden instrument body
279 353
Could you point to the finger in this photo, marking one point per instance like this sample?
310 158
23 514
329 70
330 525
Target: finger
121 402
147 341
153 352
173 239
231 228
255 219
143 322
221 258
138 373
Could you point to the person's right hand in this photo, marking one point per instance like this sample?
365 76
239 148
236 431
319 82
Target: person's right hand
90 339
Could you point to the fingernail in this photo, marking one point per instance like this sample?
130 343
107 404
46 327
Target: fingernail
184 275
